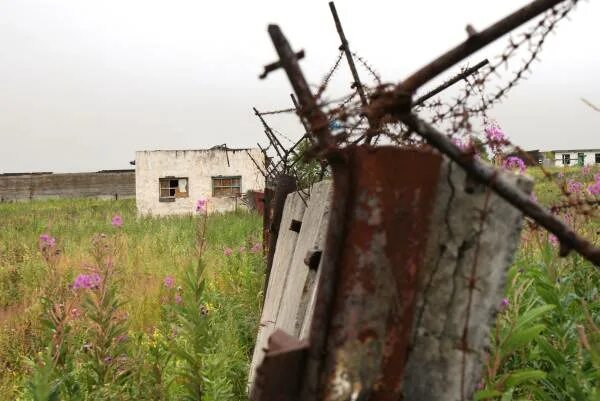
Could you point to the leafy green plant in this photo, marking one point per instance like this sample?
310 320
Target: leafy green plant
138 311
191 324
105 322
545 345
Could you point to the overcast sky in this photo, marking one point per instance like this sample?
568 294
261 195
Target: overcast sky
86 83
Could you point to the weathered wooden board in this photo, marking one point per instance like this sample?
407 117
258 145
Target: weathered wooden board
286 243
300 281
474 235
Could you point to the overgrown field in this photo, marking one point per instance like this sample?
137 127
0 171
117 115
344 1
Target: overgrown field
91 309
149 346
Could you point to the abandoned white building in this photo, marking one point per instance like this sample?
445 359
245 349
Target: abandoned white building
172 181
576 157
560 158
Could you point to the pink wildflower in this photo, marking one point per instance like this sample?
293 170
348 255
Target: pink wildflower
178 299
227 251
117 221
463 144
87 281
553 240
47 241
504 303
169 282
574 187
122 338
594 189
568 219
586 170
256 248
514 162
201 205
495 136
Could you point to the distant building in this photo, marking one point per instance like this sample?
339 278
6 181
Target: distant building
171 181
576 157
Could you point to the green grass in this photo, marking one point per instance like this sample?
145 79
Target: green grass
548 188
546 345
148 250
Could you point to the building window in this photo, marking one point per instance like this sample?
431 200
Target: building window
597 158
226 186
566 159
172 188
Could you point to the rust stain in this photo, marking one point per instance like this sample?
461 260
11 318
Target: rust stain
390 199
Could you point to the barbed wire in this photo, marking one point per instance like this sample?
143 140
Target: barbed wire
533 38
327 78
347 119
282 111
281 134
367 66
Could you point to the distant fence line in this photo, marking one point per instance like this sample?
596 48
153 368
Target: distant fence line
115 184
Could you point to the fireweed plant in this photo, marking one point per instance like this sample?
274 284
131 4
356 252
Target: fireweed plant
546 341
199 344
95 362
189 317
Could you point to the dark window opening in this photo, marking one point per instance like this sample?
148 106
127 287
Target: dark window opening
566 159
172 188
597 158
227 186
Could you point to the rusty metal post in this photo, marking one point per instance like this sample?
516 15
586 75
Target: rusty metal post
375 243
379 255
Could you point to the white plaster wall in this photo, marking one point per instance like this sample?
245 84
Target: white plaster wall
199 166
589 160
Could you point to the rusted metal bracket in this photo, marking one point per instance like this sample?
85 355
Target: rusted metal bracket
278 378
313 258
